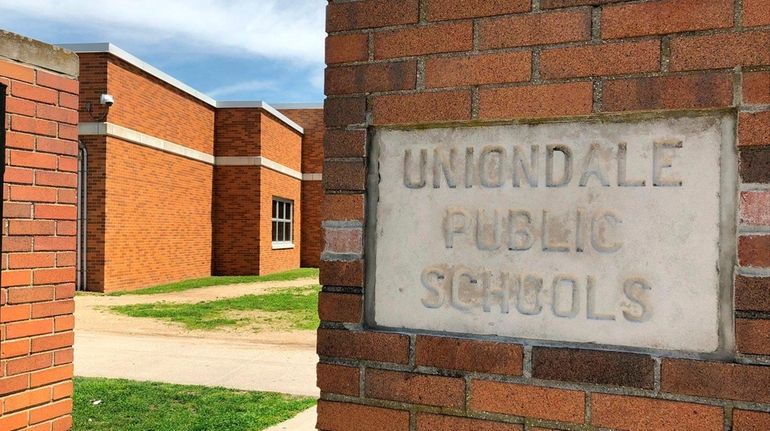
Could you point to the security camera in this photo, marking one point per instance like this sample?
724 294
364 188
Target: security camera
107 99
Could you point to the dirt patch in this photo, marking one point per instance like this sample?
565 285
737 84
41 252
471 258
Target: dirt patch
93 315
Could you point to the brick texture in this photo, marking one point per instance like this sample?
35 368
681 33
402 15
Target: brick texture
754 250
754 129
340 307
415 388
338 379
181 118
536 29
752 293
745 420
191 220
538 101
669 92
351 417
720 50
609 59
642 414
363 345
371 14
423 40
157 231
438 10
523 400
488 62
38 240
422 108
430 422
753 336
468 355
756 88
478 69
716 380
590 366
755 13
665 16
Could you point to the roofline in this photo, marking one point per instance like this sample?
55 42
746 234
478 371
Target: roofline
106 47
299 106
265 107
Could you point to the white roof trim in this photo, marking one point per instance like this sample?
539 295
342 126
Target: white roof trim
107 47
298 106
258 161
136 61
264 106
133 136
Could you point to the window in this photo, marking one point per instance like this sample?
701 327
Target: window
283 215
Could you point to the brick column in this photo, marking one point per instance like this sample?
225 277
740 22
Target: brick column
418 63
39 228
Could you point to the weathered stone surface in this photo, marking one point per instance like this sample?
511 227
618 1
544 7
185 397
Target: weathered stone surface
582 232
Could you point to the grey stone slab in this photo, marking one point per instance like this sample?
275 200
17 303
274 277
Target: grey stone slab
41 54
605 233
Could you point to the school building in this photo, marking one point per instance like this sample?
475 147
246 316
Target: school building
176 185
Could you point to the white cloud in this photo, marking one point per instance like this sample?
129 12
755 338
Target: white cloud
277 29
241 87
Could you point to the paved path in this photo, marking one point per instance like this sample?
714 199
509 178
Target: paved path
304 421
117 346
197 361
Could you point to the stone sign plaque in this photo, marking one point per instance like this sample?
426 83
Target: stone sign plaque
606 233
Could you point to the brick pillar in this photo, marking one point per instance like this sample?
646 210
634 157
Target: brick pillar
39 227
419 63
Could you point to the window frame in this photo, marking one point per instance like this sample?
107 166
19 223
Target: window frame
276 220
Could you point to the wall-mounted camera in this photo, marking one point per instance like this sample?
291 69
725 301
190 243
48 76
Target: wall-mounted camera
107 99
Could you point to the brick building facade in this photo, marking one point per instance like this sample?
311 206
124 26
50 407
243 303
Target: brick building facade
40 84
421 63
181 186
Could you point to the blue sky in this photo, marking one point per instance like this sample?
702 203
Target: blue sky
271 50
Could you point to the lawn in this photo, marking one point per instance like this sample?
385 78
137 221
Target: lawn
285 309
293 274
111 405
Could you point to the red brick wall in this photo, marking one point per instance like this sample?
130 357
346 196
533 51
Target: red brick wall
424 62
312 122
149 212
243 194
96 210
158 217
236 220
38 260
312 203
237 132
280 143
274 184
151 106
93 83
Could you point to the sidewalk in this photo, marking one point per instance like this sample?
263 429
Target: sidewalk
252 366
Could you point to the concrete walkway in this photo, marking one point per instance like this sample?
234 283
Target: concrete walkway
197 361
304 421
116 346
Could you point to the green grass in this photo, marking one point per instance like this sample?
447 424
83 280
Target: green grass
292 308
221 281
140 406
